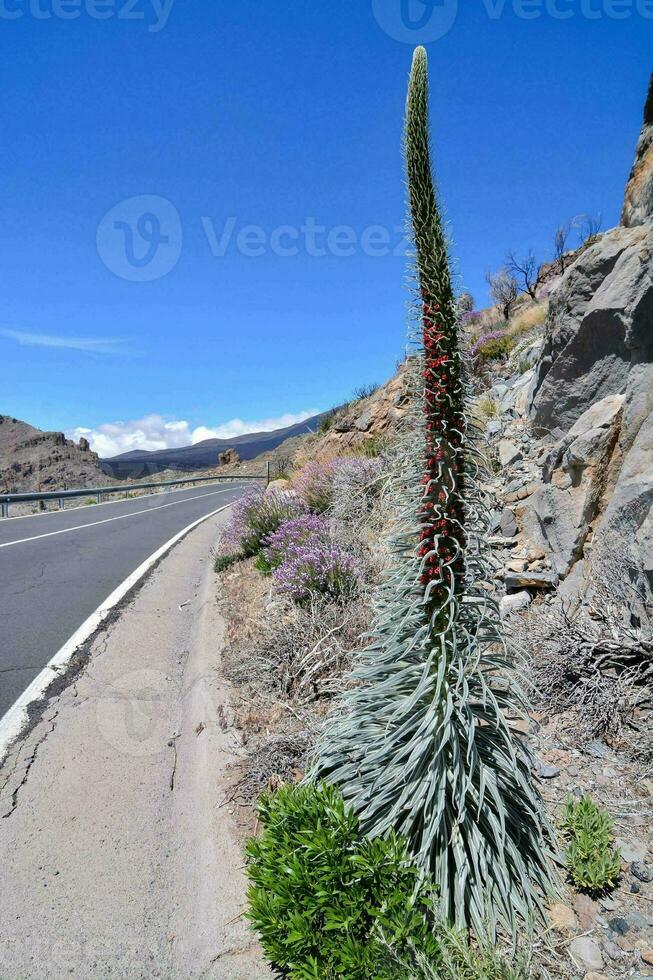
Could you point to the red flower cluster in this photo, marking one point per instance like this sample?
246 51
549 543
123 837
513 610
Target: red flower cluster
440 375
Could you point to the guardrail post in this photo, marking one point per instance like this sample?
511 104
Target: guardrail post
61 503
98 499
267 475
4 510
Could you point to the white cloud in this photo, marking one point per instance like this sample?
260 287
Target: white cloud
92 345
154 432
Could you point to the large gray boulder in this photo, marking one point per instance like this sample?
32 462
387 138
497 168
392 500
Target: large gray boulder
622 556
592 516
560 515
600 326
594 382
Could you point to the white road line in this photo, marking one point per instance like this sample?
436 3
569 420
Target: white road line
13 721
107 520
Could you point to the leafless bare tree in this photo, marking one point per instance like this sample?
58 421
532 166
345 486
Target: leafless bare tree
526 271
560 242
466 303
588 226
504 290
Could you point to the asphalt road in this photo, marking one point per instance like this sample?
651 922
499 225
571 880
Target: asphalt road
57 568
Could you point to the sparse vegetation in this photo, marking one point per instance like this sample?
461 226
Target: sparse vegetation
223 562
592 860
365 391
466 303
488 407
527 271
373 447
560 240
504 291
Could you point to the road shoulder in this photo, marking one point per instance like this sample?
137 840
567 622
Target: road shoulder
119 856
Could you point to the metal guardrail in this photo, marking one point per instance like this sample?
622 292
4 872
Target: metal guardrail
98 492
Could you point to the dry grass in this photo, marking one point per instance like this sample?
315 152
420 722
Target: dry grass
528 319
589 666
487 407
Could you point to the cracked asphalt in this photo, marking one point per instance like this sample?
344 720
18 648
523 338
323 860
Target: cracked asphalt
69 564
119 849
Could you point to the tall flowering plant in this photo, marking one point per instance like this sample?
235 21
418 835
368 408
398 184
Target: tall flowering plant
424 743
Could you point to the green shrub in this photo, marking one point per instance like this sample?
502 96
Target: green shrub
223 562
326 422
373 447
262 564
328 902
496 349
592 861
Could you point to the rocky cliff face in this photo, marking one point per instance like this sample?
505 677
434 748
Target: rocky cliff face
638 202
585 438
35 460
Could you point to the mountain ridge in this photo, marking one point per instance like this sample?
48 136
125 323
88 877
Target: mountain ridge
203 454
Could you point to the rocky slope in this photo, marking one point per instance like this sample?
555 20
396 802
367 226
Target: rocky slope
571 441
592 397
34 460
361 426
638 203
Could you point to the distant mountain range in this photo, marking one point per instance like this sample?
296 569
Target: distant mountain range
138 463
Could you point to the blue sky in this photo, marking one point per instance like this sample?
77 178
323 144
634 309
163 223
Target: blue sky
172 124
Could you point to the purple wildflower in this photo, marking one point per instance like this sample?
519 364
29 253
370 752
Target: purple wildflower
255 516
316 481
470 317
314 484
298 531
484 339
316 569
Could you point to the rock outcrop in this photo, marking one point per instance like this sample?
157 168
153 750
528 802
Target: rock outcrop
594 393
598 328
34 460
372 418
559 516
591 410
229 457
638 202
573 436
